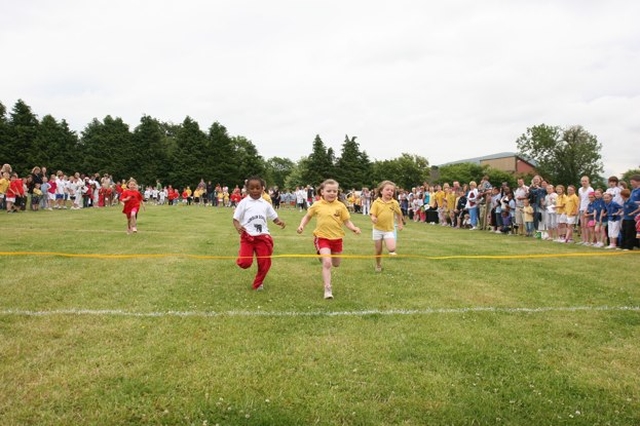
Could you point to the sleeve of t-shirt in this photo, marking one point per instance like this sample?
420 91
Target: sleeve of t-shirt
271 212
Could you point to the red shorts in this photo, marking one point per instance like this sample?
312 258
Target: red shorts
334 245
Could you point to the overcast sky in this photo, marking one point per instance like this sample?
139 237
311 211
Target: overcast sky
445 80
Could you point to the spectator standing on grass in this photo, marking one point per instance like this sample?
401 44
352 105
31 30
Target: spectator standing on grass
15 192
520 194
572 210
599 231
36 178
549 215
614 189
450 201
635 198
473 200
384 212
365 196
36 195
5 181
537 193
628 226
561 202
614 212
439 197
331 215
583 193
590 219
461 207
527 216
44 200
416 208
484 208
301 195
495 210
250 218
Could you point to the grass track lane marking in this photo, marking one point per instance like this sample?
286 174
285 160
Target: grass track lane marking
293 256
389 312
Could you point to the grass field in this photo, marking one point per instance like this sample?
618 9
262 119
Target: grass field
462 328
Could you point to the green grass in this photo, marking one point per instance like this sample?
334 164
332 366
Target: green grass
439 337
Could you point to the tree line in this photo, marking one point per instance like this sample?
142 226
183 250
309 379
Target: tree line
182 154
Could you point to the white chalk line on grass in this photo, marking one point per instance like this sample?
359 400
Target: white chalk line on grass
366 312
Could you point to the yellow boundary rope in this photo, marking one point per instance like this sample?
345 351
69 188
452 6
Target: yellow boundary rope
294 256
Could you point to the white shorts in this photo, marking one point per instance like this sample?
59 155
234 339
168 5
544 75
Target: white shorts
551 220
571 220
383 235
11 199
562 218
613 229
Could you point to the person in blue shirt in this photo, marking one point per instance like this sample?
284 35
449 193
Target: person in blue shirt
601 219
614 213
630 210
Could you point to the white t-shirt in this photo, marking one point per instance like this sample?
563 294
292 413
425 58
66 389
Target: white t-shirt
520 194
583 193
615 193
550 202
254 215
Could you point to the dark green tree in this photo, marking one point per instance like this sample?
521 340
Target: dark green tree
150 153
105 147
278 170
190 157
221 164
563 155
247 160
405 171
56 146
353 168
5 154
20 143
297 173
626 176
461 172
319 165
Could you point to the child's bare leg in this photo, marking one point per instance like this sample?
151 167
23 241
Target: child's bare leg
325 254
390 243
378 248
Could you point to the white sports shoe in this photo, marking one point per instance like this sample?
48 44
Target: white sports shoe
327 293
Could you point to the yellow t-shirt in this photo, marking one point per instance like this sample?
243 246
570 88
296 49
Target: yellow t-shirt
4 185
571 206
561 202
451 201
386 213
440 197
266 197
330 218
528 213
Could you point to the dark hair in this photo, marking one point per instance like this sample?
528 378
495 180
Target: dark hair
258 178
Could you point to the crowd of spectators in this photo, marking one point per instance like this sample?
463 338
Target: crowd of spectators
601 217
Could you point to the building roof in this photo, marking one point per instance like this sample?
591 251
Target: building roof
479 160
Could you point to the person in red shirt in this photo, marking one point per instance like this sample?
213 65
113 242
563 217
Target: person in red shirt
132 200
14 193
172 195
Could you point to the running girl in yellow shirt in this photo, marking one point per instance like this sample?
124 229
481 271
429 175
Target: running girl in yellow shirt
331 214
383 212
